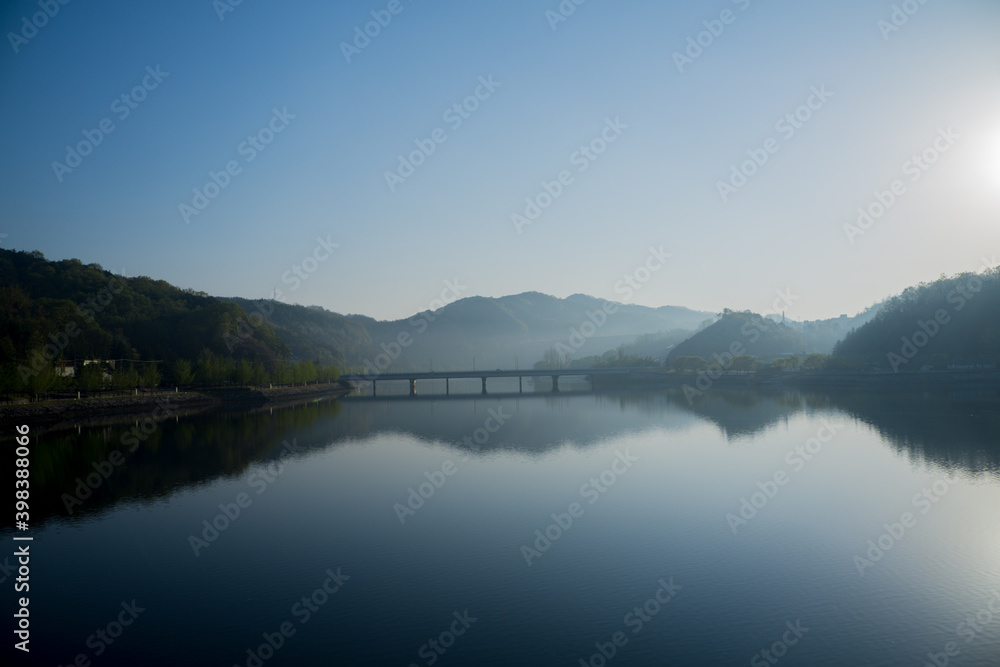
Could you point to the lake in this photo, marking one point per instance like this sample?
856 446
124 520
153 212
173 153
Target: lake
579 528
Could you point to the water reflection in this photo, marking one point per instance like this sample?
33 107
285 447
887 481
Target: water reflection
75 475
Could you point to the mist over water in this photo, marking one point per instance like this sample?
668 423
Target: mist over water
859 526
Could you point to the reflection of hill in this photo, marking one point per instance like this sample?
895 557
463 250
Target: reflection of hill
178 454
948 430
747 412
954 429
742 412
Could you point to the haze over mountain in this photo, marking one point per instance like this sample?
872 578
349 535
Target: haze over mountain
70 311
490 332
768 337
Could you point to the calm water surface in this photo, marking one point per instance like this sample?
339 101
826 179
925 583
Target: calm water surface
529 530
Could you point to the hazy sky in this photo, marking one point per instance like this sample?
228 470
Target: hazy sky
606 77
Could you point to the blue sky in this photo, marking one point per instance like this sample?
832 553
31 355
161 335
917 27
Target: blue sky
888 96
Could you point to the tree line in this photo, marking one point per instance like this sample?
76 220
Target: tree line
61 323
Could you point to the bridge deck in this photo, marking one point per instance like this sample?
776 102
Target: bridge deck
498 373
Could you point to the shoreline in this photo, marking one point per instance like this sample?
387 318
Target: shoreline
816 380
74 412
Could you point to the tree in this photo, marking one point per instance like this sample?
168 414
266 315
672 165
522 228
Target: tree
815 361
786 363
552 359
743 362
90 377
689 364
125 377
328 374
43 380
244 372
183 375
150 377
204 369
258 375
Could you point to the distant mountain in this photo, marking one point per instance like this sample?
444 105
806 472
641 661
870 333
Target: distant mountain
490 332
822 335
769 337
951 321
116 317
140 318
743 332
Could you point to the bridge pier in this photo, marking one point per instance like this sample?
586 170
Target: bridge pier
413 387
374 393
520 388
447 388
484 385
555 383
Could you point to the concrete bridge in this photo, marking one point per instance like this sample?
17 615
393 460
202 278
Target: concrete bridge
447 376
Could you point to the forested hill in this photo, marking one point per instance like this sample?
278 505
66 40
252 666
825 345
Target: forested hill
951 321
743 332
54 313
314 333
66 310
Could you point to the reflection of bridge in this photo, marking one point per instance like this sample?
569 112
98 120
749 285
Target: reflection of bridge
447 376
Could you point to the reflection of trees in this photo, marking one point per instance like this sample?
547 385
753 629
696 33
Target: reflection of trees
949 429
184 452
741 412
180 453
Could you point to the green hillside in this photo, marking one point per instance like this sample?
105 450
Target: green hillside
56 315
951 321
